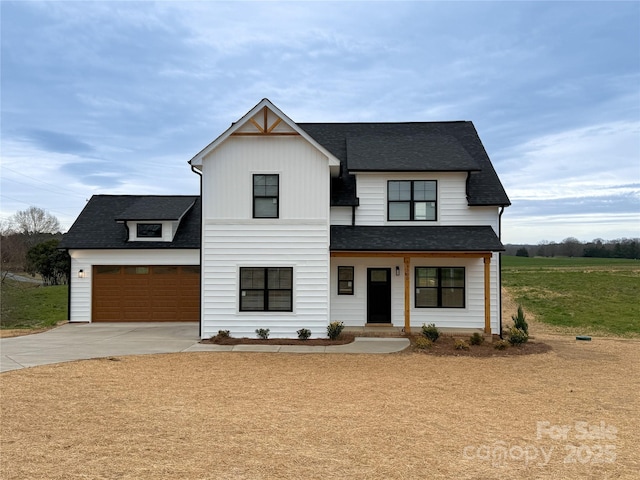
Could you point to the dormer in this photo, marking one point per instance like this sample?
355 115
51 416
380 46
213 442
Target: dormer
155 219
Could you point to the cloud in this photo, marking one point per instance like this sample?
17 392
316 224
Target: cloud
115 97
56 142
585 227
582 162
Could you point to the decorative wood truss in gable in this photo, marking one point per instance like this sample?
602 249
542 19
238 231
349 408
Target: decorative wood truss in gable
265 122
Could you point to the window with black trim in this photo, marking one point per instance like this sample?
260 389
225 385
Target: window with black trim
265 196
412 200
267 289
345 280
439 287
149 230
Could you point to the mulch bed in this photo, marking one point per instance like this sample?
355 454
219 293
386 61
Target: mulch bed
343 339
445 345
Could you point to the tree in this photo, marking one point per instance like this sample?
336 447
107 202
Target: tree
12 254
522 252
34 220
571 247
54 265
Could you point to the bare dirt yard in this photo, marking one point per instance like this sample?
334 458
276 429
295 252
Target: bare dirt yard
571 412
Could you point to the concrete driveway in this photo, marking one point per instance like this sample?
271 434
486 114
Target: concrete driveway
81 341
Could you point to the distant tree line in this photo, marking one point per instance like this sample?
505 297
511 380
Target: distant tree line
572 247
30 241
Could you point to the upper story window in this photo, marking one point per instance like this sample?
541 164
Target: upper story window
412 200
149 230
265 196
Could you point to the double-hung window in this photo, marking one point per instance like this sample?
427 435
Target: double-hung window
345 280
439 287
411 200
265 196
267 289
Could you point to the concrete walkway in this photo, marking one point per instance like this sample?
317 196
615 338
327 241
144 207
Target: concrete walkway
81 341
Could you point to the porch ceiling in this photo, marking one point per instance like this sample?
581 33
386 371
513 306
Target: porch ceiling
366 238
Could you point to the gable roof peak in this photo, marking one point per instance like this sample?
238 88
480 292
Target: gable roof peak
265 119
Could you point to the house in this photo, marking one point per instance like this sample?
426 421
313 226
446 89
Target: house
300 224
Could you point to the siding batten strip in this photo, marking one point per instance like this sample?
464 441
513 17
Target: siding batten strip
407 296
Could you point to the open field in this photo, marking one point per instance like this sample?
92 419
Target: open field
287 416
27 305
588 295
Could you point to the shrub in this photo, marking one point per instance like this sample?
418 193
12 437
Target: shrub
430 331
224 334
304 333
501 345
262 333
519 321
423 343
460 344
476 339
517 336
334 329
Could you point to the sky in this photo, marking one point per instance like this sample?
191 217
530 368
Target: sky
116 97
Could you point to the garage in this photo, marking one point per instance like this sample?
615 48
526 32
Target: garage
146 293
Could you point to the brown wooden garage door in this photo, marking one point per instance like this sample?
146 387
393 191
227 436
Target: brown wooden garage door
146 293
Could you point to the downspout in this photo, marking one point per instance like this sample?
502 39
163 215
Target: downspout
353 215
69 289
500 269
194 170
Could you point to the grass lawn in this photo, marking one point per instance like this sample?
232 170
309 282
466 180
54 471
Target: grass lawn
28 305
596 294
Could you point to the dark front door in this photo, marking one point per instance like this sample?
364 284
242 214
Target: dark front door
378 295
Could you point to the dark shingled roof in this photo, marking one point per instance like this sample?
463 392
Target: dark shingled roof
157 208
96 227
349 141
414 239
408 153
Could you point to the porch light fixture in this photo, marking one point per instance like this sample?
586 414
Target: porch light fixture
80 273
397 271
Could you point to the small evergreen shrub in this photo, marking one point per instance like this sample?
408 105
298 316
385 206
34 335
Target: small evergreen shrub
430 331
334 329
262 333
223 334
476 339
460 344
423 343
519 321
304 333
501 345
517 336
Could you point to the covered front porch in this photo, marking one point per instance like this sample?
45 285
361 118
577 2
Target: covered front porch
399 287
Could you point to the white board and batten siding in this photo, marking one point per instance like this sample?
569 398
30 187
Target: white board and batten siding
81 288
232 238
352 309
228 171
